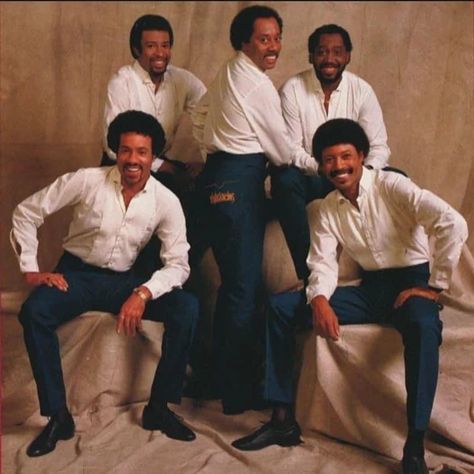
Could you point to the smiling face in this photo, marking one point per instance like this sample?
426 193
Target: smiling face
155 53
134 157
330 58
265 43
342 164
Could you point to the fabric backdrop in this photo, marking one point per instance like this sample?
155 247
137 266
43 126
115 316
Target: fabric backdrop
57 57
55 61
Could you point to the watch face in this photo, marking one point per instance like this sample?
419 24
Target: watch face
141 294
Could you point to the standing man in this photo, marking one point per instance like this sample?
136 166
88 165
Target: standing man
383 221
116 211
239 125
151 84
309 99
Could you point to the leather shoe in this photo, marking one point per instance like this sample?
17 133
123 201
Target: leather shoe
414 465
164 420
54 431
268 434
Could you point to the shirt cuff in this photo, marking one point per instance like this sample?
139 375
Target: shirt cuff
439 281
312 292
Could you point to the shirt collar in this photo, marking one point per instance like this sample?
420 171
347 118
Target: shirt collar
319 89
114 176
365 184
243 58
144 76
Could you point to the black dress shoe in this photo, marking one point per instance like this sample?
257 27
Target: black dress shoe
270 433
54 431
167 422
414 465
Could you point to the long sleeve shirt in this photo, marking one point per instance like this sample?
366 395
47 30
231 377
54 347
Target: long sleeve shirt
103 232
390 230
131 88
302 101
241 114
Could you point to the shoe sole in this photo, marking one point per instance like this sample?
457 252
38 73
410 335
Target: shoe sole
67 436
151 427
60 438
293 442
283 443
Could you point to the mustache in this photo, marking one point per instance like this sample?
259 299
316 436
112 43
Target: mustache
335 173
329 65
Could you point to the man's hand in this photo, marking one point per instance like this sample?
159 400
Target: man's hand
427 293
194 169
184 173
131 313
168 167
48 279
325 321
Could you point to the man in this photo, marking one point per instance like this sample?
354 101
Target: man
310 98
239 125
151 84
116 211
383 221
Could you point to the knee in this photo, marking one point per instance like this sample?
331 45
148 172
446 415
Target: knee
422 319
27 313
32 312
287 181
186 311
278 314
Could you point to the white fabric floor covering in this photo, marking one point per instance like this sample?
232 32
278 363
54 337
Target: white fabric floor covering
108 379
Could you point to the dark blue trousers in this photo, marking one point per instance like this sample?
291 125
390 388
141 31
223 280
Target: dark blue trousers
417 321
95 289
291 192
232 186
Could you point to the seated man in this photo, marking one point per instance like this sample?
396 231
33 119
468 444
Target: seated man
383 221
116 211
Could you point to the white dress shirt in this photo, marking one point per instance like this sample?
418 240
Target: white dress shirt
103 232
131 88
390 230
302 101
241 114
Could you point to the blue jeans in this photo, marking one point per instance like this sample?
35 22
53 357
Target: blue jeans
232 187
417 321
95 289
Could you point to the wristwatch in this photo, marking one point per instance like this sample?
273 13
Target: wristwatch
141 294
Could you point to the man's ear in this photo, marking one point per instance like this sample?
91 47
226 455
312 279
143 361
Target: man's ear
136 52
348 58
310 58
